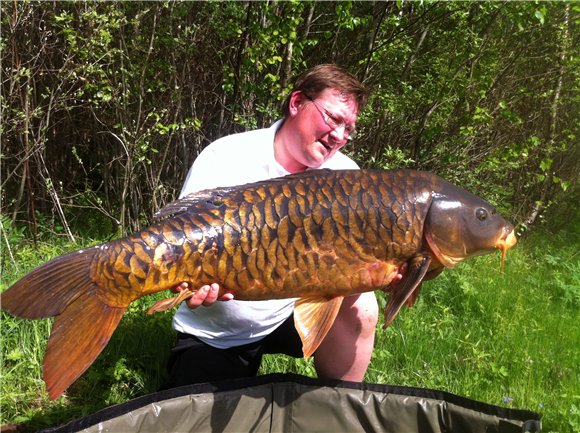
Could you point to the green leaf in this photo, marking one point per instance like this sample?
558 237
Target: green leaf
546 164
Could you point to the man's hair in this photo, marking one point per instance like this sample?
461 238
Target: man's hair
315 80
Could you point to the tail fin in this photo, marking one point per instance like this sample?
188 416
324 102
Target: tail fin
78 335
47 290
84 323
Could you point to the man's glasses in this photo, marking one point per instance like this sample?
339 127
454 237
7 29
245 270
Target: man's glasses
333 122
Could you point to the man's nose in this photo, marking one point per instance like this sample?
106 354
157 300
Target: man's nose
339 133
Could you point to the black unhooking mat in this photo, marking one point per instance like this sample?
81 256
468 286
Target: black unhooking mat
291 403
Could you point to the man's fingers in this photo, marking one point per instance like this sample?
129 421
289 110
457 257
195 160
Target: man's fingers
211 295
228 296
180 287
402 271
205 295
198 297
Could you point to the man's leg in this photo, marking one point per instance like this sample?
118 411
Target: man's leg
346 351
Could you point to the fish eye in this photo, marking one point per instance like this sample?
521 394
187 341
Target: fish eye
481 214
216 201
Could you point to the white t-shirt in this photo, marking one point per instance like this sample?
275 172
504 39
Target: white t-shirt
234 160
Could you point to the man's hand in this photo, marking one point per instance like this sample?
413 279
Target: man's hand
401 272
205 295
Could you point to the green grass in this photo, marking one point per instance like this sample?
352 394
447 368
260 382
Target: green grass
511 340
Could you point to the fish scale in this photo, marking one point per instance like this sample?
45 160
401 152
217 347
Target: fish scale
317 236
256 239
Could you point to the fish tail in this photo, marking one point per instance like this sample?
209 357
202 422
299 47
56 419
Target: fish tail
50 288
78 335
84 323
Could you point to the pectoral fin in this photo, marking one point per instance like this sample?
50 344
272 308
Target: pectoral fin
403 290
415 293
313 318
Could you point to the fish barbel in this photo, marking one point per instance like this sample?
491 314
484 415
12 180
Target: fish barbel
318 236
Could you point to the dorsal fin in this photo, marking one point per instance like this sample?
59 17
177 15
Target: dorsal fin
208 197
196 200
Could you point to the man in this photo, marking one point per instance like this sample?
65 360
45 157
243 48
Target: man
221 340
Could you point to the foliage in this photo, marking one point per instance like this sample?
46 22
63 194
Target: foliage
105 105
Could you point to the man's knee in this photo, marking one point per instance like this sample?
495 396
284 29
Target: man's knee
360 313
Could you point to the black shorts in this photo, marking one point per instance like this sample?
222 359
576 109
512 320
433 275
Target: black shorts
193 361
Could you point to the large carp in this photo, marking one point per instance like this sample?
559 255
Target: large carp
317 236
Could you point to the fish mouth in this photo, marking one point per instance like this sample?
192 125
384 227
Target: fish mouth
504 244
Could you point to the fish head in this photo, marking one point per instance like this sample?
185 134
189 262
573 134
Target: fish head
460 225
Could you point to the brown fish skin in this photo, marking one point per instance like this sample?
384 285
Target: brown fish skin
318 236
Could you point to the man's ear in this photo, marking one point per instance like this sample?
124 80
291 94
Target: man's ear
297 99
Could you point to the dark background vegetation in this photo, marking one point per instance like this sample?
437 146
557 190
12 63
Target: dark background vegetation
106 104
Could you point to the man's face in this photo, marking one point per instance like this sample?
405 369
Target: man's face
321 126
